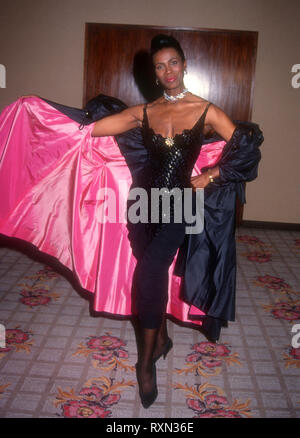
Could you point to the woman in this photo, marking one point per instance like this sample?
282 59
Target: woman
173 129
52 162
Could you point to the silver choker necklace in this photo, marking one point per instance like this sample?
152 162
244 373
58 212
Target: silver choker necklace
174 99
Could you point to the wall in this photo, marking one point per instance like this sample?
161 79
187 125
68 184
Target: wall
42 48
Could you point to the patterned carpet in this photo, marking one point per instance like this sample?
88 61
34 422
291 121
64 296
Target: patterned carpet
59 361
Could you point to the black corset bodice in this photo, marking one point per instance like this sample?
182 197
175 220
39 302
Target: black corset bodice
170 165
172 159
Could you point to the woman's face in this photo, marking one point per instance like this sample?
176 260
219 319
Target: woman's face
169 68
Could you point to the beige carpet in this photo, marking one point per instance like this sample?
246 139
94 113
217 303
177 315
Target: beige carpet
59 361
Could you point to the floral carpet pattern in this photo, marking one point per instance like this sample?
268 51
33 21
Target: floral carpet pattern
108 352
206 359
35 292
209 401
60 361
16 339
94 400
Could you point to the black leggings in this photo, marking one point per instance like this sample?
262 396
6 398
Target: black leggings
152 274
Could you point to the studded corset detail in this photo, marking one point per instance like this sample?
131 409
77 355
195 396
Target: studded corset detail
171 159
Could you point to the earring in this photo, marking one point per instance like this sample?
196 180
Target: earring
185 72
157 81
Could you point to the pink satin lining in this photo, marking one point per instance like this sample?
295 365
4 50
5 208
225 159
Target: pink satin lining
51 174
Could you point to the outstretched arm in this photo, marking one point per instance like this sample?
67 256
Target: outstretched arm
117 123
223 125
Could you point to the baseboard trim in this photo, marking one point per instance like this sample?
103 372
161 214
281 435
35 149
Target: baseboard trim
271 225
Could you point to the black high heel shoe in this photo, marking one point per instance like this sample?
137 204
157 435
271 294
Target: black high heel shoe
167 347
148 398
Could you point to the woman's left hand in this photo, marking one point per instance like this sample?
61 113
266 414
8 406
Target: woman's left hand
200 181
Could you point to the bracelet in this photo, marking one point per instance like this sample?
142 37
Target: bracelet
210 176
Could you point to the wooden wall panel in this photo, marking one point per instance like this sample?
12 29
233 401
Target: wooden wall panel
220 65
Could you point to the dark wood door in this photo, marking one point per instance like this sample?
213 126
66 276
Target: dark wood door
220 66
